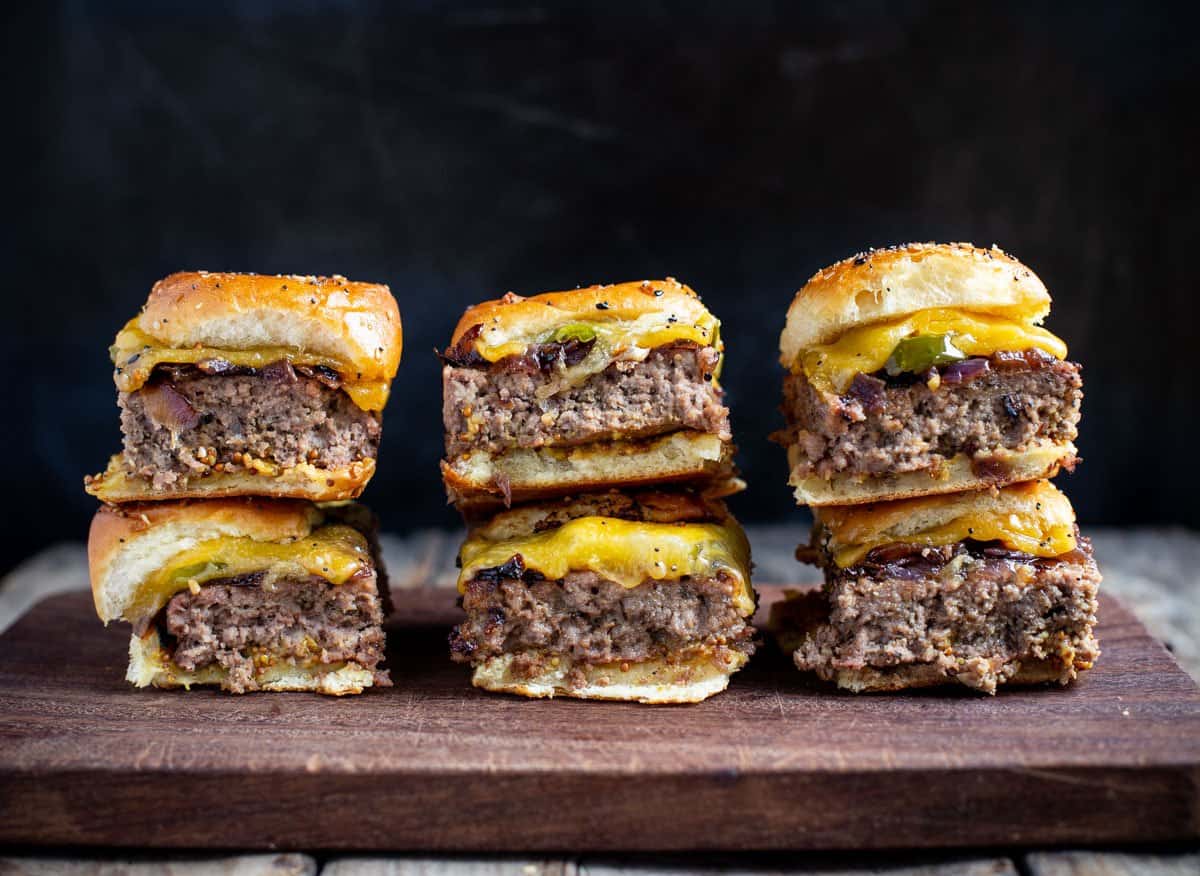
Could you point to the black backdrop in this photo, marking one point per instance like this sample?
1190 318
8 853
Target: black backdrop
456 151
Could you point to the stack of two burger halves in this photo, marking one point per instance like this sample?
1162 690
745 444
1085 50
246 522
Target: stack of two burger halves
926 409
251 412
588 448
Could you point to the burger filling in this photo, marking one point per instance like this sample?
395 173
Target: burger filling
898 420
588 619
972 612
247 624
554 394
190 420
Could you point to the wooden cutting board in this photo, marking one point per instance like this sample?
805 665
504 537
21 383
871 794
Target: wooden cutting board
775 762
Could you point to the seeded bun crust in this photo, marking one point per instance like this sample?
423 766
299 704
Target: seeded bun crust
890 283
652 681
304 481
479 480
357 324
130 542
898 521
515 317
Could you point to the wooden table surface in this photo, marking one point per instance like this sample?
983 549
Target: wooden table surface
1155 571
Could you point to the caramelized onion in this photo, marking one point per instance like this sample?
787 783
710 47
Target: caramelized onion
168 408
869 391
961 372
280 372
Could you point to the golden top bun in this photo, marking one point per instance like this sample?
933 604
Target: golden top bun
354 323
897 522
516 318
117 484
128 543
649 506
890 283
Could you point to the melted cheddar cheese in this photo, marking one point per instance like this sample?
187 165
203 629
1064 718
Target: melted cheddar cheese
627 552
617 336
335 553
135 354
1029 533
832 367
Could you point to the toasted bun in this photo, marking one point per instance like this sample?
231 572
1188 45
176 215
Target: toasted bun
890 283
304 481
911 676
650 506
897 522
478 478
956 475
354 323
127 544
652 681
514 317
150 665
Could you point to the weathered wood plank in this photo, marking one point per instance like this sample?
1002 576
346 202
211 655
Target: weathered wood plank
1085 863
448 867
842 866
243 865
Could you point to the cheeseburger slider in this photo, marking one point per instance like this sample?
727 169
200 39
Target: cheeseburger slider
616 596
250 594
981 588
596 387
921 369
241 384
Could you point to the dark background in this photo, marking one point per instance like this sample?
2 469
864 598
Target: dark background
456 151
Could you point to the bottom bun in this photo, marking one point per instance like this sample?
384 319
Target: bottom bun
151 666
117 484
651 681
980 676
524 474
997 469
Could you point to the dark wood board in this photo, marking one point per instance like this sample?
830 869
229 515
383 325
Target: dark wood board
776 762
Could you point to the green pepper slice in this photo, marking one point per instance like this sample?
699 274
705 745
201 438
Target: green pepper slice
575 331
922 352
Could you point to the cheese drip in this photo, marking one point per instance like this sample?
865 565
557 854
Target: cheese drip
135 354
832 367
627 552
1028 533
335 553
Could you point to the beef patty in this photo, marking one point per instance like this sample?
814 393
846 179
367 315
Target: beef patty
241 625
497 408
593 620
185 422
889 427
975 611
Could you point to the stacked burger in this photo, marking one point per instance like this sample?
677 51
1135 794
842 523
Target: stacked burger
251 412
926 408
588 448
